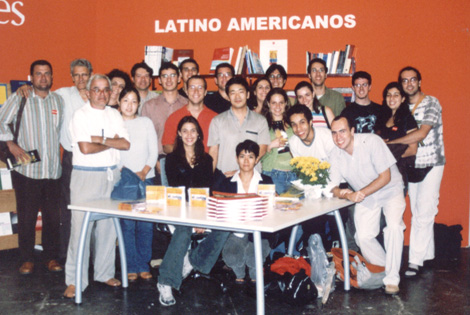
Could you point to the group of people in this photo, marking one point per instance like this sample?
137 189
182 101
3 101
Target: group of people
230 140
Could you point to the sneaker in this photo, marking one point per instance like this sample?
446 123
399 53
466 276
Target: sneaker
391 289
187 267
166 296
412 271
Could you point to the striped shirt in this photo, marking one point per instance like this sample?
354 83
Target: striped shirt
39 130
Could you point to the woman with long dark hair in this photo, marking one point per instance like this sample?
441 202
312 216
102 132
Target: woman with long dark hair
322 115
259 90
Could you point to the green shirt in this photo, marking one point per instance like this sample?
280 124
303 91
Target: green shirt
273 160
333 100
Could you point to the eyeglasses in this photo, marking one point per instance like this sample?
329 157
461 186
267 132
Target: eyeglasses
320 70
171 75
98 91
358 86
275 76
226 74
413 80
196 87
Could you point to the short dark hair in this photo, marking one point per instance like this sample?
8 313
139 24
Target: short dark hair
166 66
409 68
116 73
237 80
299 109
197 76
40 62
277 67
187 61
129 89
247 146
361 75
142 65
316 60
348 121
224 65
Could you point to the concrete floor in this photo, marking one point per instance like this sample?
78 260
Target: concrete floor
438 290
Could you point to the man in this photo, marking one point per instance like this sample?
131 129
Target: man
307 140
188 68
365 115
74 97
366 163
235 125
141 75
219 101
197 89
424 195
36 184
317 73
97 134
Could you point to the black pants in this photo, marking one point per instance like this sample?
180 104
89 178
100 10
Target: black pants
64 201
32 195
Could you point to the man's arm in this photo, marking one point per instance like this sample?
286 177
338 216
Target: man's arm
358 196
415 136
98 145
214 153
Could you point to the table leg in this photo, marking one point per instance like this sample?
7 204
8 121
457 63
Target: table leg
259 273
79 265
293 234
122 252
344 245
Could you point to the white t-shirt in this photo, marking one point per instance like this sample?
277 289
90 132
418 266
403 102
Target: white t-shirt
320 148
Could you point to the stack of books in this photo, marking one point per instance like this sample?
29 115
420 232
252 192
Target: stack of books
338 61
237 207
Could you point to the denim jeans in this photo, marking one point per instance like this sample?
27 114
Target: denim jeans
282 179
202 258
138 237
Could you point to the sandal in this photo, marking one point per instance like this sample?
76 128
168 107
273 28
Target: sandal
411 272
132 277
145 275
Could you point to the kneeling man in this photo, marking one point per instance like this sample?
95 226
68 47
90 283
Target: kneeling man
366 163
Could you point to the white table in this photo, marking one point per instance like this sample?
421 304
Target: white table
275 220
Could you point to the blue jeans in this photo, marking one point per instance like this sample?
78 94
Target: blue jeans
202 258
138 237
281 179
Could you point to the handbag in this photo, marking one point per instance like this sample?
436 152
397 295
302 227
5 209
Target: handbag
129 187
4 151
416 175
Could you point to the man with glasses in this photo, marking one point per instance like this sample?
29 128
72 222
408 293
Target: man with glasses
317 73
141 75
219 101
188 68
197 89
98 134
424 195
365 115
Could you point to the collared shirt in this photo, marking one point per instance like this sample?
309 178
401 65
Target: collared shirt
370 158
226 132
431 149
39 130
333 100
158 110
320 148
72 102
253 188
88 121
204 119
150 95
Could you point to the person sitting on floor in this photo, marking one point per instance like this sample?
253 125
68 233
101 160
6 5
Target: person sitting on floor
238 252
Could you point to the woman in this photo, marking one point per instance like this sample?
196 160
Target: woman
276 161
238 252
322 115
140 158
259 90
189 166
399 122
119 81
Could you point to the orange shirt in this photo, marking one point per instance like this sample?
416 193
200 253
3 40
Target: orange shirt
204 119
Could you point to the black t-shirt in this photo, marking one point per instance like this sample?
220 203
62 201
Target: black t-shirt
365 118
399 130
216 102
182 93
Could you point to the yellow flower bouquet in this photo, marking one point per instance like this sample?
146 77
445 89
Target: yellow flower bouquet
311 171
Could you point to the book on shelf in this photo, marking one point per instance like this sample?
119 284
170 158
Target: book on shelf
155 55
179 55
33 158
273 51
221 55
338 61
